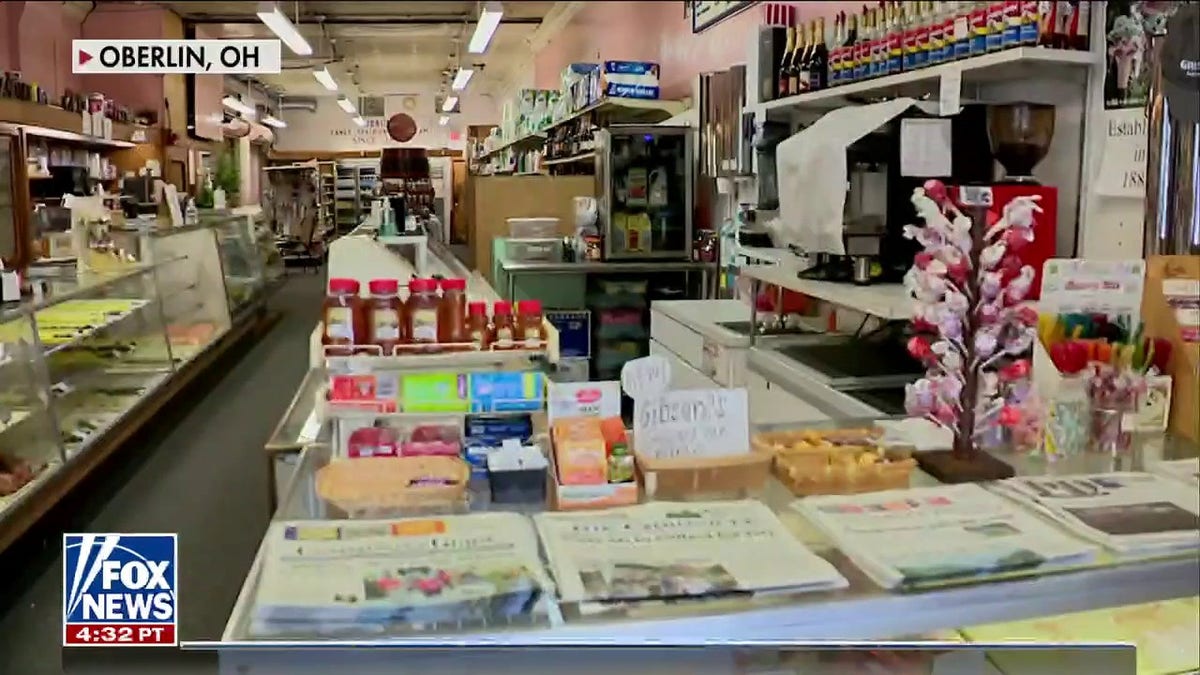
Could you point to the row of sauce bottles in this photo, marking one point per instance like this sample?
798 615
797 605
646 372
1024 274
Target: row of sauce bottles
894 37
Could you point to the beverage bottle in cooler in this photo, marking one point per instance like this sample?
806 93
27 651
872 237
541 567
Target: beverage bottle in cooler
781 84
995 26
895 40
934 52
818 67
1012 24
1077 31
978 19
921 58
962 30
1029 22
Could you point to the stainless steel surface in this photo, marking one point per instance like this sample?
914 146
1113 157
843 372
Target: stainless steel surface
860 612
1172 214
510 267
862 269
852 362
765 329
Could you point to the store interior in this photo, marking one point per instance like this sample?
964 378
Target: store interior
675 323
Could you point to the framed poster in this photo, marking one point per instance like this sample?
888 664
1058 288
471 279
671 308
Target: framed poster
706 14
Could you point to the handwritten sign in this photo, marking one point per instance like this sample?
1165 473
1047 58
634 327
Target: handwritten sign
692 423
646 377
584 399
1123 157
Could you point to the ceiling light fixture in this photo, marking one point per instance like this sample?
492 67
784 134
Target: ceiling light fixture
235 103
273 121
326 80
449 104
360 121
489 21
274 18
444 120
461 78
346 104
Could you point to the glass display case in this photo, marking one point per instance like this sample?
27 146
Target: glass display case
195 303
241 261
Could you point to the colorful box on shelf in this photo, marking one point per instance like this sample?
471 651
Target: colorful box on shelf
437 392
629 79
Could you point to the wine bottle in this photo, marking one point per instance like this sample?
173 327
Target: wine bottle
850 45
798 61
1077 33
861 53
818 67
895 40
781 75
835 54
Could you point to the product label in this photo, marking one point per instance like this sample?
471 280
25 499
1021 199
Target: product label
533 338
1029 22
909 47
895 52
339 323
979 31
1046 19
835 66
504 337
921 55
386 324
936 42
995 26
1012 23
876 51
424 325
962 36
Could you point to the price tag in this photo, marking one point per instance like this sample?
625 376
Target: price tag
646 377
950 92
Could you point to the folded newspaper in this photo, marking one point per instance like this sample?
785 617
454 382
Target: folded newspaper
940 535
415 573
1131 513
678 550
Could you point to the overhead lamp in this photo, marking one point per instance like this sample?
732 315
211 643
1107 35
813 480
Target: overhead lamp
489 21
236 104
461 78
449 104
274 18
346 104
358 119
273 121
444 120
326 80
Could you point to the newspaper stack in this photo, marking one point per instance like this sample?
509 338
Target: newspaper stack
1186 470
1128 512
940 535
675 550
467 571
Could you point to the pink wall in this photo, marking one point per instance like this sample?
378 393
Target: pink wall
119 21
662 32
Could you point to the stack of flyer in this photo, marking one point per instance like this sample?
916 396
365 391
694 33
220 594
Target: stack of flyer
1129 512
940 535
665 550
470 572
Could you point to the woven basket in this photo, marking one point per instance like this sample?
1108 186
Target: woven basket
374 483
832 462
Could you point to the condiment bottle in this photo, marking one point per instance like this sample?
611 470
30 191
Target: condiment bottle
421 312
996 25
502 325
530 332
343 317
978 19
478 329
452 313
384 315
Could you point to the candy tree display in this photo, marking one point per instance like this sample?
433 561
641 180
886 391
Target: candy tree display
971 330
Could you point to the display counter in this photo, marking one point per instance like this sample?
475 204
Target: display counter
89 365
862 611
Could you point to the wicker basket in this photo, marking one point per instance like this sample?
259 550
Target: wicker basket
836 461
373 483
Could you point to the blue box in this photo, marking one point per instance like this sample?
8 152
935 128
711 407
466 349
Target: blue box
574 332
507 392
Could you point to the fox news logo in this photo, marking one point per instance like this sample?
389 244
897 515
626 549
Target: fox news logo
119 589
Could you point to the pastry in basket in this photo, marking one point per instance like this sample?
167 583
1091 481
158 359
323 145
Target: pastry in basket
373 482
844 471
808 440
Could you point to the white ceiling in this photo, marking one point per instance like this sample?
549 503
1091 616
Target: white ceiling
378 48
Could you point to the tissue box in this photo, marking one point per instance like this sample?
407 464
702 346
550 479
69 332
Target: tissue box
629 79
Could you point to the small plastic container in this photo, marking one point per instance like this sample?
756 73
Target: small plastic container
452 312
422 313
521 486
385 314
532 228
343 318
479 329
503 329
530 331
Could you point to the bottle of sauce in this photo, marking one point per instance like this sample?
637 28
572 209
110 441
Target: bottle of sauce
452 313
478 329
421 313
343 317
502 325
530 333
385 315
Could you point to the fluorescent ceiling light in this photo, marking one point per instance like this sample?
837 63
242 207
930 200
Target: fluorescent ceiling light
273 121
444 120
326 80
346 104
360 121
270 14
489 21
449 104
235 103
461 78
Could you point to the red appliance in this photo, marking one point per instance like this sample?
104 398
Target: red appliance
1045 225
